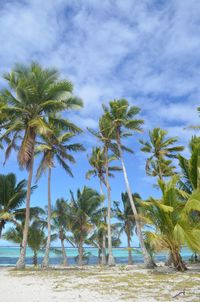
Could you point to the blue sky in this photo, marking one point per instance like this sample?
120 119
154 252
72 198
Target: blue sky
146 51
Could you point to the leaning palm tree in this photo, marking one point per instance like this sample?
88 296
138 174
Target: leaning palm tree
34 93
122 121
60 215
171 217
127 219
161 150
56 149
98 162
83 211
105 135
12 196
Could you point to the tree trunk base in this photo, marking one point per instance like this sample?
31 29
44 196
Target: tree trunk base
65 264
21 261
103 257
178 263
150 263
45 264
111 260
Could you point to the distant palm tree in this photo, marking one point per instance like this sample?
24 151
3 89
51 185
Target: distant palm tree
56 148
98 162
97 237
161 149
105 135
36 237
34 93
60 217
12 196
127 219
83 210
122 121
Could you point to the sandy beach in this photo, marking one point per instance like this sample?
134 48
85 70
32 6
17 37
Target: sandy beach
120 283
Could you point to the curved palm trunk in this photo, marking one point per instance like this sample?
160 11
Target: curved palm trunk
177 260
159 170
130 260
111 260
45 262
21 261
103 251
147 259
65 262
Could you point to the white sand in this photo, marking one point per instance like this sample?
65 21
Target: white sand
97 284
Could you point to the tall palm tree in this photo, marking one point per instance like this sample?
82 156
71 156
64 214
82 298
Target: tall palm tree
171 217
34 93
56 148
127 219
12 196
105 135
60 215
83 211
122 122
98 162
161 149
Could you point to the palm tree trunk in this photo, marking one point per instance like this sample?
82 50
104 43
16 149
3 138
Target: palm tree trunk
177 260
65 262
80 253
35 260
2 224
45 262
21 261
159 170
103 251
111 259
147 259
130 260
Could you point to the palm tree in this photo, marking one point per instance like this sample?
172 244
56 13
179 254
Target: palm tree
97 237
60 215
162 149
196 127
36 237
98 162
171 217
34 93
83 211
56 148
105 135
190 168
122 123
127 219
12 196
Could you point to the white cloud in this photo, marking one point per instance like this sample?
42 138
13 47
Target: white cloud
147 50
